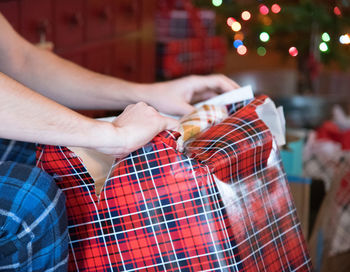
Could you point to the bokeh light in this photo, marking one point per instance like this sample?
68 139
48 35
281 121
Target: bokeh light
323 47
275 8
242 50
264 10
293 51
237 43
266 20
217 3
264 37
344 39
230 21
246 15
236 26
239 36
261 51
337 11
326 37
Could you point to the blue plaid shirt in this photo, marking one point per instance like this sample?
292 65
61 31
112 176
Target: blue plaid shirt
33 221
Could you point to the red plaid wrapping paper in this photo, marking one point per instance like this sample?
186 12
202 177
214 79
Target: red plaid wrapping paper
223 205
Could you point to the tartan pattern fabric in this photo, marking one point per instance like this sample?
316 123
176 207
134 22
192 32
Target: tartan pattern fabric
186 41
220 206
179 57
176 23
33 222
16 151
203 118
199 120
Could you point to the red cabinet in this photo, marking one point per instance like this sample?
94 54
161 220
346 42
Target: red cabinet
128 15
77 58
69 22
99 59
126 60
36 20
10 9
114 37
100 18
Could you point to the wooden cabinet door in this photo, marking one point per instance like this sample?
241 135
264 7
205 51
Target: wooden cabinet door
99 59
10 9
125 59
100 18
128 15
36 20
69 22
77 58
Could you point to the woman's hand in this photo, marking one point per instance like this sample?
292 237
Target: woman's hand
174 97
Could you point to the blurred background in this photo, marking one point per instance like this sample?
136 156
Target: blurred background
297 52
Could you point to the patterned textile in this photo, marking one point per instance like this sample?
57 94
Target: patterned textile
325 160
222 205
33 220
17 151
186 40
204 117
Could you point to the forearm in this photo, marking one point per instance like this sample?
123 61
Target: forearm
74 86
59 79
28 116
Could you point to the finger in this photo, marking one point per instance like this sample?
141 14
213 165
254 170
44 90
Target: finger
171 123
231 82
217 83
197 97
128 107
185 108
225 84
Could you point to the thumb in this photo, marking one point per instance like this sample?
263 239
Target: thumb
186 108
171 123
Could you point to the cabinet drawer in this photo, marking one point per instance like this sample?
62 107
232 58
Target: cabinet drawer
10 10
36 20
69 22
126 59
128 15
99 59
100 19
77 58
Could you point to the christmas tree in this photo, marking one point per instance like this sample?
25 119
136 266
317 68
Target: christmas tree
312 31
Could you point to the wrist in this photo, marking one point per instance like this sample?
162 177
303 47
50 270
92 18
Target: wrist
106 137
126 93
148 93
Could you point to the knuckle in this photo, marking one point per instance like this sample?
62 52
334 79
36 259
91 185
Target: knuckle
128 107
141 104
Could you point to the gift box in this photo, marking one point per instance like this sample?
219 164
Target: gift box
222 204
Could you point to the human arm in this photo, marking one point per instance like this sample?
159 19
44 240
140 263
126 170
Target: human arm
59 79
28 116
79 88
